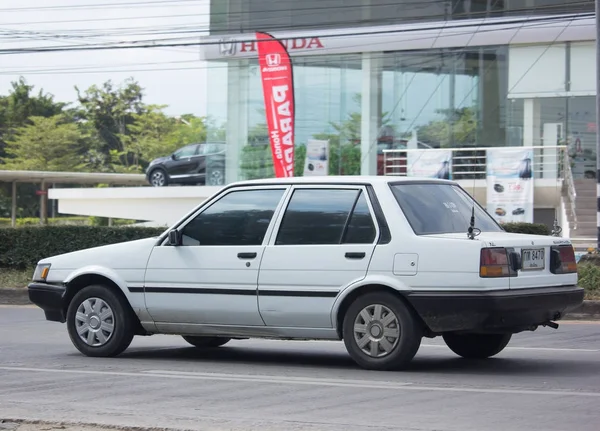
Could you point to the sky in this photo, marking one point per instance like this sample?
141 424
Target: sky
170 76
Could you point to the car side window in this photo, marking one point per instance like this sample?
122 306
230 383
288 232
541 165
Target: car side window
361 228
238 218
188 151
325 216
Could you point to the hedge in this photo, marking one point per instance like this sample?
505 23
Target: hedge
80 221
528 228
22 248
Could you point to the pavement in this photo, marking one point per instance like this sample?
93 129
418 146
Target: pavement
546 380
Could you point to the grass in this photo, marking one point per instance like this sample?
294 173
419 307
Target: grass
12 278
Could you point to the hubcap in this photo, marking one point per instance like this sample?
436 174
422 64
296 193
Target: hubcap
216 178
95 322
376 330
158 179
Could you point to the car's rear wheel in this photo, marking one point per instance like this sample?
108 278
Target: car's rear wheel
206 342
158 178
216 177
99 322
381 332
476 346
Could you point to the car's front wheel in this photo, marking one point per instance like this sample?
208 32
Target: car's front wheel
476 346
158 178
206 342
381 332
99 322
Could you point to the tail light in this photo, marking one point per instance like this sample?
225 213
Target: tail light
497 262
562 259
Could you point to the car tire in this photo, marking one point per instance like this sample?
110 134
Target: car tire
476 346
158 178
206 342
366 340
99 322
216 177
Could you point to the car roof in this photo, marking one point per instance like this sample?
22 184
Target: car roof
341 179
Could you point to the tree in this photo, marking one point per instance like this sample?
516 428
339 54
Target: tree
111 111
19 105
47 144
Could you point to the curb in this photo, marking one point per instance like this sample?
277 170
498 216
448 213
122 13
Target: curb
589 310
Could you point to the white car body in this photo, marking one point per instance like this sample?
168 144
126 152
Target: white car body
304 291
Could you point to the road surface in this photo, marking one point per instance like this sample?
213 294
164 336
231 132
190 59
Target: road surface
547 380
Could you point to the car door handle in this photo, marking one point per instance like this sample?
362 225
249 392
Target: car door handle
246 255
350 255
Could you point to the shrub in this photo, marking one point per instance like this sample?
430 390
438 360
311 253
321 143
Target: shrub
23 247
589 278
528 228
80 221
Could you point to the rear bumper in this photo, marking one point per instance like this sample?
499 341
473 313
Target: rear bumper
505 310
50 298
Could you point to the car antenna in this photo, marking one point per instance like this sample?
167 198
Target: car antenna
472 232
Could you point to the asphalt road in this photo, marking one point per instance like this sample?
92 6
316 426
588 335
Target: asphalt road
547 380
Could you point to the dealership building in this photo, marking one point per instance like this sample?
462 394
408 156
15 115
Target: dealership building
383 79
454 74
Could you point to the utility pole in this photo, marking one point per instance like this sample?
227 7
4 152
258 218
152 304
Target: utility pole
598 124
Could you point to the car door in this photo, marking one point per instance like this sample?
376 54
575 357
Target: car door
182 161
323 242
212 276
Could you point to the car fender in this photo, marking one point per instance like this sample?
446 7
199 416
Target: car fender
136 300
390 281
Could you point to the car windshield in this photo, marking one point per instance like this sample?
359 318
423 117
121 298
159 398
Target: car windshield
440 208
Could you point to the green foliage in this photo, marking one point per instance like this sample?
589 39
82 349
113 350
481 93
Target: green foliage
65 221
23 247
457 128
589 278
47 144
527 228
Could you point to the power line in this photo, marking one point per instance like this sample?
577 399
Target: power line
153 44
125 5
320 10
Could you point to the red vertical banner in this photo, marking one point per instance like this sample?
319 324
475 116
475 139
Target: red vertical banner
278 91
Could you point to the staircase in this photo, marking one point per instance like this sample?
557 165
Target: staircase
583 229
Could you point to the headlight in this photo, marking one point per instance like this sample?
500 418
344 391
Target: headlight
41 272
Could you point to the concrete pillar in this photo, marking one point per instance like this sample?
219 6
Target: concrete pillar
13 206
43 203
531 122
372 73
238 80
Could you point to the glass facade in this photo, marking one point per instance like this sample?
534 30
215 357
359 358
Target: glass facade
362 103
239 16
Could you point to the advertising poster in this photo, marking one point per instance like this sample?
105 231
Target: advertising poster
278 92
510 184
429 163
317 158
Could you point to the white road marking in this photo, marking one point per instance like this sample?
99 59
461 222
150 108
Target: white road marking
548 349
266 379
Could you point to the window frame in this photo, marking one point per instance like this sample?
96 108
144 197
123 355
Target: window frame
286 201
210 202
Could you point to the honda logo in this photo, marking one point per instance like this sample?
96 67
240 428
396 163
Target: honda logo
227 47
273 60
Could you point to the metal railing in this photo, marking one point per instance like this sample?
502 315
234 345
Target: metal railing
549 162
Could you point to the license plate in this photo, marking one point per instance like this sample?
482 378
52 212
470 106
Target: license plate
533 258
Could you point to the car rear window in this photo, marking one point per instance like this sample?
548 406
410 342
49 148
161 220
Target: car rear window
440 208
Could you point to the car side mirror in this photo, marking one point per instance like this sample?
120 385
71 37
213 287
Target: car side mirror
173 156
174 238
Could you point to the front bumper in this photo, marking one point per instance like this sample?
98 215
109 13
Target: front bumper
50 298
508 310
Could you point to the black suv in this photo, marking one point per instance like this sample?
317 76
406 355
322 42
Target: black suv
192 164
